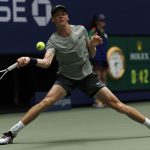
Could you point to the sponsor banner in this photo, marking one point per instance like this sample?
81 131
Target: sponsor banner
21 11
24 23
136 75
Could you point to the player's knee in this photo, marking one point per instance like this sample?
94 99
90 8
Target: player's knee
48 101
122 108
118 106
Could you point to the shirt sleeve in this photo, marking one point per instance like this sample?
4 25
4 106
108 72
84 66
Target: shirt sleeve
50 46
86 34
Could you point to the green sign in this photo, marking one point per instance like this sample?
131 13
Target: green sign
137 64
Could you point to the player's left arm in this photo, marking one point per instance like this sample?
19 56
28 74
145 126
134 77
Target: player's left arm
92 43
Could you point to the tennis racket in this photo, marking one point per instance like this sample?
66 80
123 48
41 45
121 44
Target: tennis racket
5 71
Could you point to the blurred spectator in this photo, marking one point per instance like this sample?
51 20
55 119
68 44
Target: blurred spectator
99 62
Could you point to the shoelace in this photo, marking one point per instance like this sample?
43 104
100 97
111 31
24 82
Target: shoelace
2 137
8 134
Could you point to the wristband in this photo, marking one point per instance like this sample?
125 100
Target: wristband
33 61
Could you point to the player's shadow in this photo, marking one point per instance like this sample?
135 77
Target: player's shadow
80 141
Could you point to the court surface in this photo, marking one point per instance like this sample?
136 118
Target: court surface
80 129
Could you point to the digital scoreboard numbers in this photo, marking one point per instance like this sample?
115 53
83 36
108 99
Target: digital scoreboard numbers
140 76
136 52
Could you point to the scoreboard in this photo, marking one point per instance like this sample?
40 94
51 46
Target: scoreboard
136 76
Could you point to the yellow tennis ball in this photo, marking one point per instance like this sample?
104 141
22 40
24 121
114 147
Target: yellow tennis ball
40 46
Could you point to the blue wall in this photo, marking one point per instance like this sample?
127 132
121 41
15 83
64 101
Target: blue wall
124 17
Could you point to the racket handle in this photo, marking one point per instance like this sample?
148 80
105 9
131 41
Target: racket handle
12 67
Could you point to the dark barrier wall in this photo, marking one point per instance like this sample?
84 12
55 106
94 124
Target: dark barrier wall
23 23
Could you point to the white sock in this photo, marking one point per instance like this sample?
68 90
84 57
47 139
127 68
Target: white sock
147 123
16 128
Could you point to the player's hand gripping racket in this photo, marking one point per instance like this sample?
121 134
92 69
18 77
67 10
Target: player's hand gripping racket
5 71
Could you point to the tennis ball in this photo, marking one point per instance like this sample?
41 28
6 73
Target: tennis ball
40 46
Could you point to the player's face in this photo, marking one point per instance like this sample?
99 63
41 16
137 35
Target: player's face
60 18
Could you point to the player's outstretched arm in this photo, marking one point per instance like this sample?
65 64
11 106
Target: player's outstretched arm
43 63
46 61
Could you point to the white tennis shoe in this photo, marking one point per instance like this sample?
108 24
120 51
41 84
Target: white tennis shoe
6 138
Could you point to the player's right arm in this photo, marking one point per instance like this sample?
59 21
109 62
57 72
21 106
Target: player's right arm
43 63
47 60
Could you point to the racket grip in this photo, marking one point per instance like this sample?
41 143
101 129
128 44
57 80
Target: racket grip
12 67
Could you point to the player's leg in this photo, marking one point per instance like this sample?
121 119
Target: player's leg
93 87
57 92
112 101
53 95
98 102
103 73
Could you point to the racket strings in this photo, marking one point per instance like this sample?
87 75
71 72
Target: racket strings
3 75
13 66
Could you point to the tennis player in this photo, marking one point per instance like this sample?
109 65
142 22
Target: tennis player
72 47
